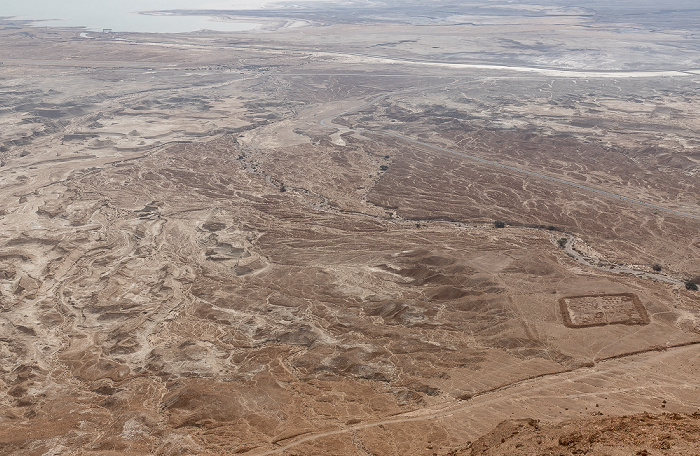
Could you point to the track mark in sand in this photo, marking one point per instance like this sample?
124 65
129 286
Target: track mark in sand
328 122
484 397
540 175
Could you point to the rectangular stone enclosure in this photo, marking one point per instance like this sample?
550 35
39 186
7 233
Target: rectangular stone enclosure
602 310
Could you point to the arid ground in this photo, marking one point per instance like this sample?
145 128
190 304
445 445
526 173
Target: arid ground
354 231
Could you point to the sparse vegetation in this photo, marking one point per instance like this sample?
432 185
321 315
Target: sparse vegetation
154 273
656 267
690 285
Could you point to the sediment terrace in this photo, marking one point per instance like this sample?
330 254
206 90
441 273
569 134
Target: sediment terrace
214 244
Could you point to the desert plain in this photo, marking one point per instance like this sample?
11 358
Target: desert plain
359 229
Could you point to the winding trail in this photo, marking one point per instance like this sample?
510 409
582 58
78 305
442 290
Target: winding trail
615 268
617 368
568 247
328 122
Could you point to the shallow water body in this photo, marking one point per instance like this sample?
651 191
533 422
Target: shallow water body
123 15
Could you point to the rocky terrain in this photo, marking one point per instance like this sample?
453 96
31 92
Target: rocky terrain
273 243
644 434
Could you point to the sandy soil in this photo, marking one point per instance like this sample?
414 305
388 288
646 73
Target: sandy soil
283 241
